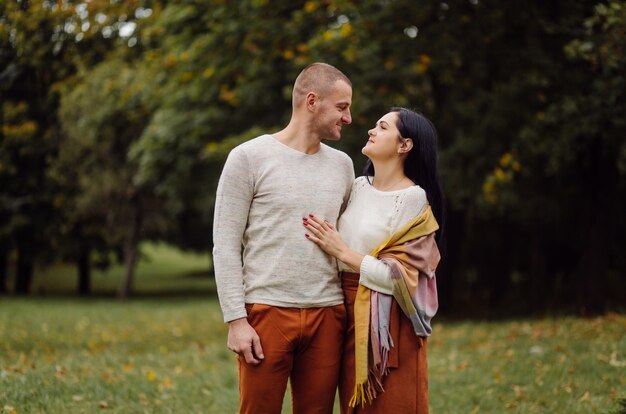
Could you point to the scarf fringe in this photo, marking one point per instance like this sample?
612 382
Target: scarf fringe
366 393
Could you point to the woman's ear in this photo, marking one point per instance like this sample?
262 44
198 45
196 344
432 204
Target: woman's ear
406 146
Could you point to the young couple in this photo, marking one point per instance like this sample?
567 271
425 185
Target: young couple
335 284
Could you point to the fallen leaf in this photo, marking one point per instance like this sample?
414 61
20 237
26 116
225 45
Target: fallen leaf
151 375
60 372
104 404
518 392
584 398
614 362
77 397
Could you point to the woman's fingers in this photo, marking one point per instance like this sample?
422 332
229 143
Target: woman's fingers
315 231
312 238
321 224
329 225
313 223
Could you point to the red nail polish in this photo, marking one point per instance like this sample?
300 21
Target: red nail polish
311 215
306 235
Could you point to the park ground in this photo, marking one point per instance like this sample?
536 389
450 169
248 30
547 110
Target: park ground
163 351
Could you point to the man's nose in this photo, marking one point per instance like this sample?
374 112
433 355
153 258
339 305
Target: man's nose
347 118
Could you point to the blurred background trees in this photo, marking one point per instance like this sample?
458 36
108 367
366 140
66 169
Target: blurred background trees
116 118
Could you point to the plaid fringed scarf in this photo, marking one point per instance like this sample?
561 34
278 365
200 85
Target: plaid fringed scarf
412 256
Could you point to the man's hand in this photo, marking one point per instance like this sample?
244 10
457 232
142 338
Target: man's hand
243 340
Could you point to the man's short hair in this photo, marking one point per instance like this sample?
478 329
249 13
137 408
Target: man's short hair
317 77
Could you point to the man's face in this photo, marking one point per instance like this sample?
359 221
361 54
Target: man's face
334 111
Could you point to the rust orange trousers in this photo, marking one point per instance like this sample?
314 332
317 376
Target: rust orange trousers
406 384
303 345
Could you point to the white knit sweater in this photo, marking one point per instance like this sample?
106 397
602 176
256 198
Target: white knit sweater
371 217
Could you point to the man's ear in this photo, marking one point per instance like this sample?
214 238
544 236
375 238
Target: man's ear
406 146
311 101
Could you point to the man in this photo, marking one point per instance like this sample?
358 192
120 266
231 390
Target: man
283 300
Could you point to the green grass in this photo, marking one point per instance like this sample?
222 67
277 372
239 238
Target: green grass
161 271
164 352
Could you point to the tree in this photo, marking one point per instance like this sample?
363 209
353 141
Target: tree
32 64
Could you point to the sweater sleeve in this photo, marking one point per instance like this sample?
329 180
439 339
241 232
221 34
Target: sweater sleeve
375 275
350 174
232 205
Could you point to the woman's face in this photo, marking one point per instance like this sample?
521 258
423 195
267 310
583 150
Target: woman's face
384 139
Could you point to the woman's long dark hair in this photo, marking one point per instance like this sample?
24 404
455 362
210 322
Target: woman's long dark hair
420 164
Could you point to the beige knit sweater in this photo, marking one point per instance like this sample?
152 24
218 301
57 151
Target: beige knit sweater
265 190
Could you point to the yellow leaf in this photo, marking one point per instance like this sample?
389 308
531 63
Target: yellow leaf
208 72
77 397
167 383
151 375
187 76
346 30
419 67
500 174
506 159
310 6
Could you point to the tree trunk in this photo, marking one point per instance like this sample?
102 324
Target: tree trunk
451 259
4 265
130 254
597 232
24 272
497 265
537 283
594 264
84 273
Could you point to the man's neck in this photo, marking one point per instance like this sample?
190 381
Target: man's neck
299 138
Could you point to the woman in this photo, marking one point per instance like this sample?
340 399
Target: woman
388 234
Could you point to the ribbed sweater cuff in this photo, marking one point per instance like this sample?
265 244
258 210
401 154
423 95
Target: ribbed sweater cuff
375 275
234 314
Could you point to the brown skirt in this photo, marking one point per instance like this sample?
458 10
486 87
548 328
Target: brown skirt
406 384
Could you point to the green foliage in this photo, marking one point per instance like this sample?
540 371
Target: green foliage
42 44
528 100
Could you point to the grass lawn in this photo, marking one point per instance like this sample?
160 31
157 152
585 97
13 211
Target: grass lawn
164 352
